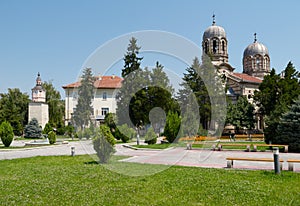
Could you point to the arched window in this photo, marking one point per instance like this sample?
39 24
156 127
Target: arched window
223 46
206 47
215 46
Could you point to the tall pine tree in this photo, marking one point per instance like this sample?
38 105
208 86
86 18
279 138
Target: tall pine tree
276 93
288 129
84 109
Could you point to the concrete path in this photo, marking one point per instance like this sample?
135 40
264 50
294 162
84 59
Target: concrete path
169 156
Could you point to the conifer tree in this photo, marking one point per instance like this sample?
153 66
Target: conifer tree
84 109
288 130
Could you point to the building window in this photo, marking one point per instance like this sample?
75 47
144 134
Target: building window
215 46
206 47
223 46
104 95
104 111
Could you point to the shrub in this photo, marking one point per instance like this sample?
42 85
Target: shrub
47 129
124 133
33 129
6 133
103 144
172 126
150 137
70 130
52 137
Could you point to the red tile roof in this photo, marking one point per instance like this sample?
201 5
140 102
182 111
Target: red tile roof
247 78
104 82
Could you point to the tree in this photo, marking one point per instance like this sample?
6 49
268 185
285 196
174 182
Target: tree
194 85
52 137
14 109
142 90
241 114
84 108
131 60
104 144
288 129
56 105
6 133
276 93
172 126
150 137
33 129
47 128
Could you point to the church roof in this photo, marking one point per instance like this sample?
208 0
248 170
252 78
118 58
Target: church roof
103 82
247 78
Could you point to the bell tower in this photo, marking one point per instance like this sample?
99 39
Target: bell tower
214 43
38 108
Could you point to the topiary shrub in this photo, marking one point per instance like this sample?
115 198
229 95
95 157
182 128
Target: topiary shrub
33 129
104 144
124 133
150 137
172 126
52 137
6 133
47 129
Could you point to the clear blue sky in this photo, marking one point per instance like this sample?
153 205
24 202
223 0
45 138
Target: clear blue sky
56 37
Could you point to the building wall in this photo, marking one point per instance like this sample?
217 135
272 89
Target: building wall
104 100
38 110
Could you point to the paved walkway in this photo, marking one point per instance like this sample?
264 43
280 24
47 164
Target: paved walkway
169 156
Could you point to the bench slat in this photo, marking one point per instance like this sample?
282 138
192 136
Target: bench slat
252 159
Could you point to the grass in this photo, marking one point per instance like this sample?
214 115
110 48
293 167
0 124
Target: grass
79 180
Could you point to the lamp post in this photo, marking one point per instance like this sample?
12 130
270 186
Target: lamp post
72 151
276 160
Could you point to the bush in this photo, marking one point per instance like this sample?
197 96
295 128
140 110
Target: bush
172 127
150 137
70 130
52 137
47 129
124 133
103 144
6 133
33 129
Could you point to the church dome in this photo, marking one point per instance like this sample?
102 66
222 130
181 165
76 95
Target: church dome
256 59
214 31
256 48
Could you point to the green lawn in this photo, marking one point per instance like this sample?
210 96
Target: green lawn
79 180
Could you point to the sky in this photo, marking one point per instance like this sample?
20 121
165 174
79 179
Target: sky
57 37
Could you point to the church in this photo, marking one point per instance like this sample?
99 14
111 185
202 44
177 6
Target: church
256 64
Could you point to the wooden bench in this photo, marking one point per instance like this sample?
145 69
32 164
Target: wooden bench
286 147
231 159
291 165
220 146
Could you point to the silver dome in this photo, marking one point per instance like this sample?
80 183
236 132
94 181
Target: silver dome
214 31
256 48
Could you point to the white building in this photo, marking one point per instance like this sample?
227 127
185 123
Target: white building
104 101
38 108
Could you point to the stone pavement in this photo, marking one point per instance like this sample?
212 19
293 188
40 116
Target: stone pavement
170 156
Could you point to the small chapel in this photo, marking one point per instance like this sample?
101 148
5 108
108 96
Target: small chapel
256 64
38 108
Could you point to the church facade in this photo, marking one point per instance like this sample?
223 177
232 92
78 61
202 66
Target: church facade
256 64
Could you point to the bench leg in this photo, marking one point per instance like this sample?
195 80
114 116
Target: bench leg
213 147
286 149
291 166
220 147
229 163
188 146
248 148
254 148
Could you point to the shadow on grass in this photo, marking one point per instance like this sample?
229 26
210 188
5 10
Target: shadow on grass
91 163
